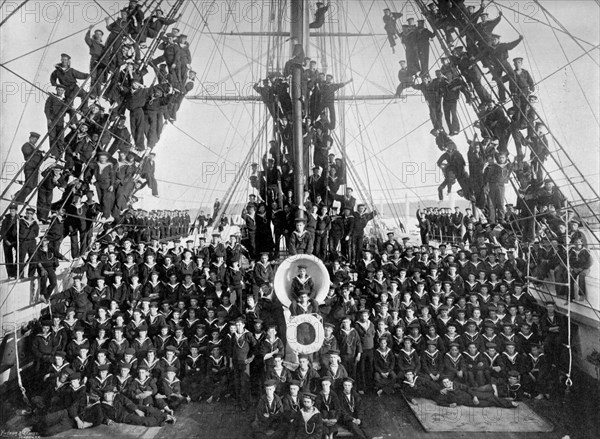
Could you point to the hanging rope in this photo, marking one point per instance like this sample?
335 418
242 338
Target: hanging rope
18 367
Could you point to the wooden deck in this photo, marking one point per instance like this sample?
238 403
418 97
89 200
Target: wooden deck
390 416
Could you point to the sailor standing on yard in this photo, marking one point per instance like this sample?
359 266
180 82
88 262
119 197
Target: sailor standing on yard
328 90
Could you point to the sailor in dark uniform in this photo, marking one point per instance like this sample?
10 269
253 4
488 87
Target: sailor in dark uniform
308 423
414 387
319 15
537 378
43 349
352 415
303 282
301 242
390 26
269 414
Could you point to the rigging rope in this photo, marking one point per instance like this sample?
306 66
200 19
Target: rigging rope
35 80
587 101
362 129
63 111
530 123
531 17
171 13
576 40
13 12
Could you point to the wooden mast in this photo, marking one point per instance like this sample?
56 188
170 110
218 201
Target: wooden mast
299 34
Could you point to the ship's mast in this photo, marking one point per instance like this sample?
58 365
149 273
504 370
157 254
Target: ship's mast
299 34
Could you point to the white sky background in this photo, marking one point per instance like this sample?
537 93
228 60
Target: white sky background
229 128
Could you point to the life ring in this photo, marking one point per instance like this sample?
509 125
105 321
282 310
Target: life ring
292 333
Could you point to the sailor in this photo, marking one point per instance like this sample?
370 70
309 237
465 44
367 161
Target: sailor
185 59
303 281
125 172
409 39
352 414
171 55
322 229
432 94
453 87
249 216
471 72
264 234
484 29
366 331
320 15
102 381
135 103
66 75
301 242
170 395
512 389
117 408
390 26
46 260
29 230
405 79
55 109
9 237
97 69
361 220
143 388
453 163
350 347
537 379
51 178
497 54
43 348
328 90
414 386
33 160
521 87
269 414
308 422
74 414
384 367
304 305
243 346
454 394
135 15
470 30
423 37
495 177
329 405
104 173
424 227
